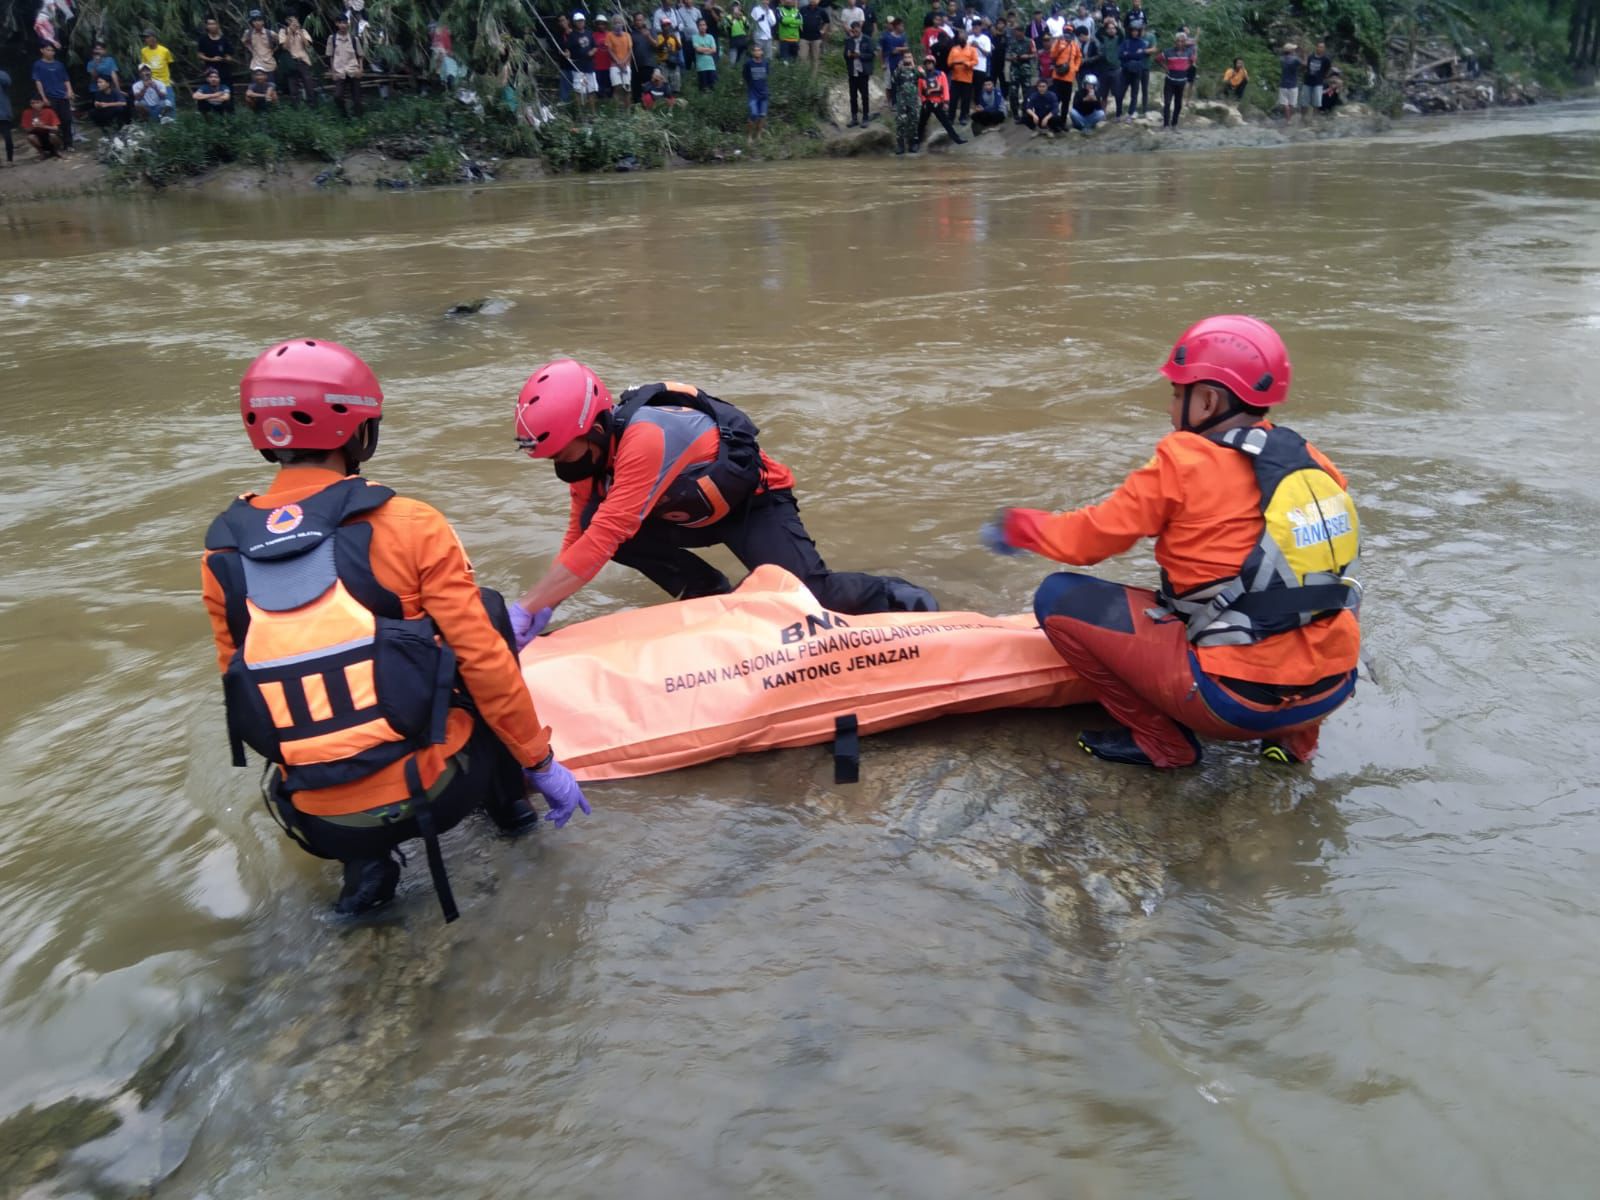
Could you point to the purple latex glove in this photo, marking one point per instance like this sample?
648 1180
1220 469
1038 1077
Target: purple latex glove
526 626
559 789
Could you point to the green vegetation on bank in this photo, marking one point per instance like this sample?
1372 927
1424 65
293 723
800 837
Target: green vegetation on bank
432 139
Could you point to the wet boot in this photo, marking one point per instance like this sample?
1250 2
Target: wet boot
369 884
1117 745
908 597
1292 748
514 819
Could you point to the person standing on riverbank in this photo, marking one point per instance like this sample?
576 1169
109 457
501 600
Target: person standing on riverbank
102 65
260 46
6 117
358 653
1182 65
763 24
343 53
893 44
580 49
789 23
619 45
157 57
961 62
756 70
738 35
1134 52
1317 67
52 85
1253 634
903 95
933 89
296 43
1022 65
664 470
814 28
705 58
859 58
1289 80
644 55
214 48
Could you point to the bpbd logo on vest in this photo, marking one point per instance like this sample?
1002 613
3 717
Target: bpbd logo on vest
285 520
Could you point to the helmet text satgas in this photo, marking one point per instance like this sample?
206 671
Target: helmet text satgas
308 394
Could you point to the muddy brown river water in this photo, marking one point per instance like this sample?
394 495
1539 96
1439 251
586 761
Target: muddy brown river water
993 968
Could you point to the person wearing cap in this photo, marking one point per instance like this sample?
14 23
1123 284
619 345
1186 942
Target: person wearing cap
1181 62
213 97
669 56
602 56
359 654
1253 635
157 57
1134 51
260 45
152 99
619 46
580 50
1289 65
343 53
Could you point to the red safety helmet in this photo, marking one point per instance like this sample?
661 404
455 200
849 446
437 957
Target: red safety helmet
1244 355
560 402
307 395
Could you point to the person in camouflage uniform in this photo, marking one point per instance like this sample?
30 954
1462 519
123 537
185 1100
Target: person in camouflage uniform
1022 65
907 106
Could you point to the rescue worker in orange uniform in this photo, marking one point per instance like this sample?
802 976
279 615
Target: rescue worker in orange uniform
358 654
666 469
1253 633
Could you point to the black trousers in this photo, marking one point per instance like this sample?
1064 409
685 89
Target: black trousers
1171 102
297 73
1138 92
961 100
487 776
936 110
5 132
858 88
63 108
768 530
347 95
983 119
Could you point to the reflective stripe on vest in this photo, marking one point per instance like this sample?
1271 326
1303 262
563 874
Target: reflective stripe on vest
693 494
1301 569
328 678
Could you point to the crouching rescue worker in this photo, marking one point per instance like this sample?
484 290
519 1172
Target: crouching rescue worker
1253 633
357 652
665 469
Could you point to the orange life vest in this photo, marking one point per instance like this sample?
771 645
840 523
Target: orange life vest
328 680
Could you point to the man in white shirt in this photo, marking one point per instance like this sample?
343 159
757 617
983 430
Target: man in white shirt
1055 25
763 20
853 14
984 44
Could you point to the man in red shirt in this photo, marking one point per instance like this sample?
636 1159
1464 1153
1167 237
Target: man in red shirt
1253 633
666 469
43 128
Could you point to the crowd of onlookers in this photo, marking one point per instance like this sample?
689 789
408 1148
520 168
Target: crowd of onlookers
1052 70
254 70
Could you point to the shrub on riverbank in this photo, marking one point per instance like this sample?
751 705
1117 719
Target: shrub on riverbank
432 139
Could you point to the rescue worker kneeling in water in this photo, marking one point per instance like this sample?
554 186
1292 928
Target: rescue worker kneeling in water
1253 634
668 468
358 654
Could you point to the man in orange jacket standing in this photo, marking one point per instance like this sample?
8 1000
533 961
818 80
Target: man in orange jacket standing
1253 633
358 653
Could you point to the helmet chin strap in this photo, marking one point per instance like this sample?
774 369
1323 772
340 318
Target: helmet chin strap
1229 410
